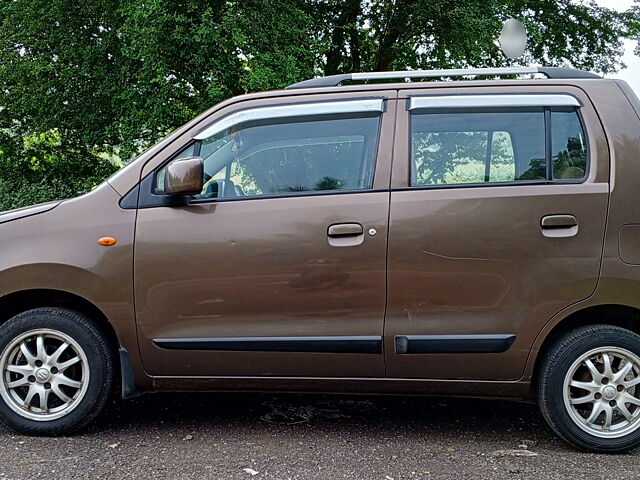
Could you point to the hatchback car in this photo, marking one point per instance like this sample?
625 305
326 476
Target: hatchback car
477 237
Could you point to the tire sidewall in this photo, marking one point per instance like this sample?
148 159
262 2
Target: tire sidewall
99 364
552 389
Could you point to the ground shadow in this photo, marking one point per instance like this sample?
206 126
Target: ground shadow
369 415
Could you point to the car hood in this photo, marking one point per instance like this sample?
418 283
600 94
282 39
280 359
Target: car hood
17 213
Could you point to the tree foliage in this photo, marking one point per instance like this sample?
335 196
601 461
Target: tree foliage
86 85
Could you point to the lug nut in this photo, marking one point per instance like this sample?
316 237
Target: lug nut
48 386
605 380
620 388
31 378
612 403
38 363
54 370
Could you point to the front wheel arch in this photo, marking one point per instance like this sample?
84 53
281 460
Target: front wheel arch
22 300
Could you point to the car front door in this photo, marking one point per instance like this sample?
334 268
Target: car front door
498 210
278 267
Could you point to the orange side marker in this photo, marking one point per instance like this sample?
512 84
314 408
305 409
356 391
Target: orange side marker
106 241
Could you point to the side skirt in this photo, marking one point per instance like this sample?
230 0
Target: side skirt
514 390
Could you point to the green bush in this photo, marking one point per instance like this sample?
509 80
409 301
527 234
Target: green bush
41 168
15 194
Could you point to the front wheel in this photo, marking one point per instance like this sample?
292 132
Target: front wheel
589 388
56 369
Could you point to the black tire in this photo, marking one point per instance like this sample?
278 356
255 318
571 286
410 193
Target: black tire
99 365
551 384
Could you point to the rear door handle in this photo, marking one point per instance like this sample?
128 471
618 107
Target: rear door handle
344 229
558 226
345 234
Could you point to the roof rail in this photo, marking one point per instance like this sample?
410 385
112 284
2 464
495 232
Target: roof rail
549 72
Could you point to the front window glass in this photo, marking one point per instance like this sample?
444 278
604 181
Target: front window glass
290 157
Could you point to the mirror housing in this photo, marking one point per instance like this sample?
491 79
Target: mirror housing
184 176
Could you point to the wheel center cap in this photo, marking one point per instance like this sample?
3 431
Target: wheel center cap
42 375
609 392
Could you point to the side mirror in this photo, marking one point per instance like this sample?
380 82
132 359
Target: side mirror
184 176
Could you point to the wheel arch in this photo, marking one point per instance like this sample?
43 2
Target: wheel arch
23 300
620 315
20 301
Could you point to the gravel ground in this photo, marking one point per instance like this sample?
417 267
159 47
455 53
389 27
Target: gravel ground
229 436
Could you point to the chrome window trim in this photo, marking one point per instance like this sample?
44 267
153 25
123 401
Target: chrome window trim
493 101
375 105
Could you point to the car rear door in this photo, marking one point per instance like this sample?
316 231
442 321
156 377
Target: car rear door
498 209
279 267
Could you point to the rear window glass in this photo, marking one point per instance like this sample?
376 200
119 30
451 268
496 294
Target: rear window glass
569 146
498 145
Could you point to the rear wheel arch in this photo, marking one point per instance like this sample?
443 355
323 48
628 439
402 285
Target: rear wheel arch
623 316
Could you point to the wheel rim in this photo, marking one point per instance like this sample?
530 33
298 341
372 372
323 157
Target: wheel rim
45 374
601 392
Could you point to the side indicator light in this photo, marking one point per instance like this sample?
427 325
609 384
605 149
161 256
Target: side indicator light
106 241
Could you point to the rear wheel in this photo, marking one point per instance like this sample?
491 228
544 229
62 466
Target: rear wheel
589 388
56 371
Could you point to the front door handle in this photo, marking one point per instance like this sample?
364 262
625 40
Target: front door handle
558 226
345 234
344 229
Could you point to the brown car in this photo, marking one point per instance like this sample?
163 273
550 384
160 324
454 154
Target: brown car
478 238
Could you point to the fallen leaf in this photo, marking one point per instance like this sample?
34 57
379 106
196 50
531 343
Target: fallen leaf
250 471
114 445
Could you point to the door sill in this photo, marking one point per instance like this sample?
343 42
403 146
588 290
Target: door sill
512 389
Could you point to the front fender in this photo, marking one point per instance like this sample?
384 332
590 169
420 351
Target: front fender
59 250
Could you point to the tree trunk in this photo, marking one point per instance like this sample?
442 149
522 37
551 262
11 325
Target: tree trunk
345 31
391 34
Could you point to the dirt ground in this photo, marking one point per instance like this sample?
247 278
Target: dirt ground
243 436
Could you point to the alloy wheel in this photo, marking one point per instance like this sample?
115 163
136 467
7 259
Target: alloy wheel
45 374
602 392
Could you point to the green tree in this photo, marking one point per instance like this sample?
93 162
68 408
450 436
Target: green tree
84 86
399 34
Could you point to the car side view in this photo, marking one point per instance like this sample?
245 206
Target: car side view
478 237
